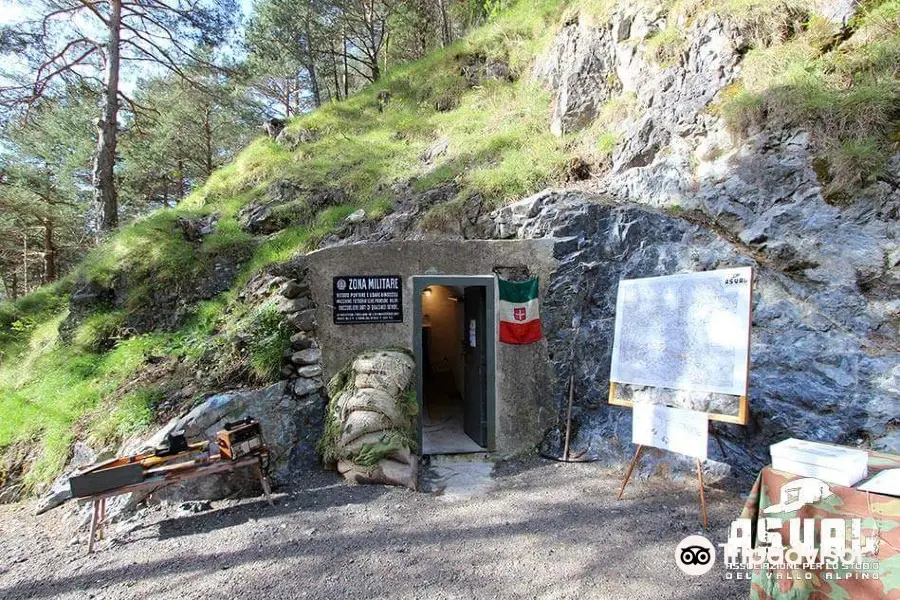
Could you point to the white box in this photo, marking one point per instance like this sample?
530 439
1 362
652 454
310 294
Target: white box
832 464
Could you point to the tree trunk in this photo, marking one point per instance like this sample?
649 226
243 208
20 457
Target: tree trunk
387 49
181 178
25 261
445 24
107 128
207 133
14 286
311 68
50 269
346 66
337 79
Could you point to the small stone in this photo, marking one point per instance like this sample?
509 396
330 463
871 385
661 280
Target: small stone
287 371
310 371
294 304
292 289
436 149
304 387
300 341
356 217
195 506
310 356
304 320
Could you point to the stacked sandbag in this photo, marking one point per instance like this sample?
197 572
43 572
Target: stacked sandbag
370 431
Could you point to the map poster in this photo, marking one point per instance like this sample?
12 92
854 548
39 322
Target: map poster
361 299
685 332
674 429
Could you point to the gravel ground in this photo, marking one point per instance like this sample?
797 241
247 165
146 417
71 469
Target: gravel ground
534 529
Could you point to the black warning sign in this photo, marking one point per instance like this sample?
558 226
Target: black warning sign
368 299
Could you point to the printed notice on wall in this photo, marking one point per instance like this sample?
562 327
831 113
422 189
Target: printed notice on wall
685 332
362 299
674 429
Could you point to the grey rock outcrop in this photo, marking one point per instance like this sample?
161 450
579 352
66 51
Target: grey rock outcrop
60 491
825 332
820 370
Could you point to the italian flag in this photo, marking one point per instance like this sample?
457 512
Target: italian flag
520 319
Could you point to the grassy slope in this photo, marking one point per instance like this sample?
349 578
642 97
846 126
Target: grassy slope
97 387
102 386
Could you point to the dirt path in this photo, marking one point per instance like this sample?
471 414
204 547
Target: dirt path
538 530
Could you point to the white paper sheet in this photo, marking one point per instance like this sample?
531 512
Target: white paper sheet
674 429
885 482
685 332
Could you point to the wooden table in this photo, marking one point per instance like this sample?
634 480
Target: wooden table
161 477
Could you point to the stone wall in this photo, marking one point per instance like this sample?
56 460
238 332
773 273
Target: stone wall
524 410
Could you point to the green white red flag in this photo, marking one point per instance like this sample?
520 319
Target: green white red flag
520 318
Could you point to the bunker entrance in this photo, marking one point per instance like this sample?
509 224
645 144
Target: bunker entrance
454 359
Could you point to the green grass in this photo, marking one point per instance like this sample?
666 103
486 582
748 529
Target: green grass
47 392
135 413
666 45
606 143
845 94
100 331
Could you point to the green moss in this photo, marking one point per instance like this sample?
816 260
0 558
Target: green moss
392 441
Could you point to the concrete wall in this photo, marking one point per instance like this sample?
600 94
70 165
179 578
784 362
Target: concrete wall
524 406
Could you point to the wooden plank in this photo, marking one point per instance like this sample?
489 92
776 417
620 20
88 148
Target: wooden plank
95 516
157 480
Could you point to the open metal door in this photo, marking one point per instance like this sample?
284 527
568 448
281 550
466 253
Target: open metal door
475 350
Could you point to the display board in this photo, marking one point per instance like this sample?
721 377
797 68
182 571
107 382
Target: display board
673 429
687 332
360 299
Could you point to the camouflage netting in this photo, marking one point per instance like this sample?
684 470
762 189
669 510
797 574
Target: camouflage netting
370 420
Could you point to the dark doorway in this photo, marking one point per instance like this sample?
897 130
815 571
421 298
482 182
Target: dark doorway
454 349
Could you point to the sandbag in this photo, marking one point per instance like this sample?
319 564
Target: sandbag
370 420
378 401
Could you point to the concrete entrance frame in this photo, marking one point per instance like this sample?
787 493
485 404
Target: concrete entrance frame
489 282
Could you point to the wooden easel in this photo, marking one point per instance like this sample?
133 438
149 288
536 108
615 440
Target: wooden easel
740 418
637 456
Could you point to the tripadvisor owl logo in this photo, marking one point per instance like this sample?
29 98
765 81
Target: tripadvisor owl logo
695 555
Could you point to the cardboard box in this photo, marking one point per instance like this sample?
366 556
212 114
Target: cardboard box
832 464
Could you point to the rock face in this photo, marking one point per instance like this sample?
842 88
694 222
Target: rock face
824 356
370 432
817 372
